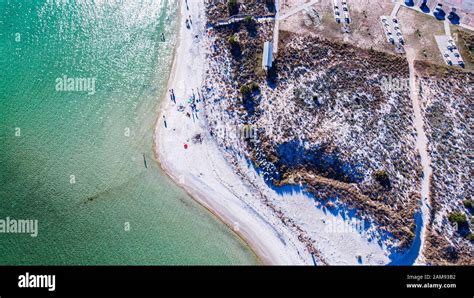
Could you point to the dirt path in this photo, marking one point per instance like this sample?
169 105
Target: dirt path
422 146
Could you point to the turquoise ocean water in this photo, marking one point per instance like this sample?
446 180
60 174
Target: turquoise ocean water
74 160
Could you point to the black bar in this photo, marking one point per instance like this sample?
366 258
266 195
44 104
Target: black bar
243 280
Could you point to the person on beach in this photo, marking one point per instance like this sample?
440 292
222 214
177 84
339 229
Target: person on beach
164 121
172 96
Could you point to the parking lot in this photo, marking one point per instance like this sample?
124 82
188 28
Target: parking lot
449 50
341 11
392 30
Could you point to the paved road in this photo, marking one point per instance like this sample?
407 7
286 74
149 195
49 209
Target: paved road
395 9
447 28
276 28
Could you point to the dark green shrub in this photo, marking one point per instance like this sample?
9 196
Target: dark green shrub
382 177
468 204
457 217
233 40
250 24
255 87
245 90
233 7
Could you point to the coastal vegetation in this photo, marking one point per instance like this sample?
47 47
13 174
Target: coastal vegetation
446 105
217 10
467 44
458 218
233 6
468 204
382 177
323 124
327 124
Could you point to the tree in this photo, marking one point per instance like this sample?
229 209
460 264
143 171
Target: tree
468 204
249 23
255 87
382 177
234 45
248 20
245 90
233 7
270 5
457 217
233 40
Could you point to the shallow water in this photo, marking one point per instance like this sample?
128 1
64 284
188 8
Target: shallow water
74 158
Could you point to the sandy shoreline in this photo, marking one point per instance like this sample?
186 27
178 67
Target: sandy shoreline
200 169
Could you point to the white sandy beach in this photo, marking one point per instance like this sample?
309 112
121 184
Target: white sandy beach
203 171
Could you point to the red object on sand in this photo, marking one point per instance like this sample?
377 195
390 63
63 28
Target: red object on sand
185 146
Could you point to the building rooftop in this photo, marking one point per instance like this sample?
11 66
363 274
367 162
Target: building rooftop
267 55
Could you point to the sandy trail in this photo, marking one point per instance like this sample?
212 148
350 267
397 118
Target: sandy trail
422 146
